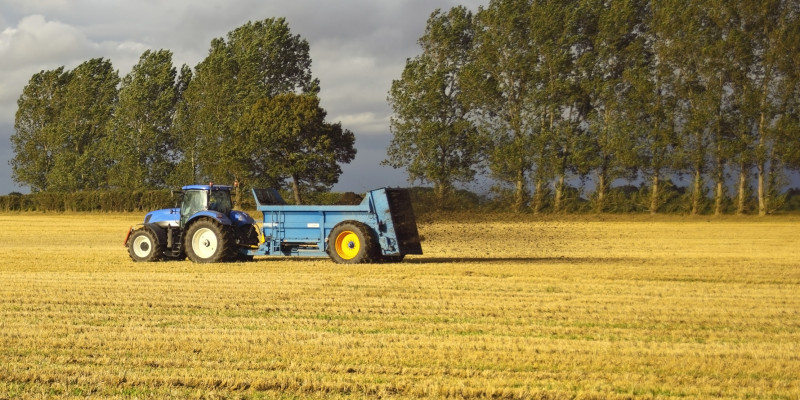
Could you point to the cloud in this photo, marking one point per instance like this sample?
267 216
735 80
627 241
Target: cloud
37 41
357 47
37 44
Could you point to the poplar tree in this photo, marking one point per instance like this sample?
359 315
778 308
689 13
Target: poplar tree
140 143
258 60
499 81
559 38
688 37
186 139
652 104
36 140
617 48
209 116
433 136
721 71
90 94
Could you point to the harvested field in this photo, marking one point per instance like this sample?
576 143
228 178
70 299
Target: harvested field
513 307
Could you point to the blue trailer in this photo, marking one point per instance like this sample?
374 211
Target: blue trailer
206 228
381 228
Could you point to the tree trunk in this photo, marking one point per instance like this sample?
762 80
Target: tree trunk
538 196
654 194
742 195
296 190
696 195
762 201
601 191
237 198
559 194
441 191
519 194
719 178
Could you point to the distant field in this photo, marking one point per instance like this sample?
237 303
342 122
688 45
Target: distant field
516 307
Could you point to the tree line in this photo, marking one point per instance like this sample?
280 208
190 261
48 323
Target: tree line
248 113
535 94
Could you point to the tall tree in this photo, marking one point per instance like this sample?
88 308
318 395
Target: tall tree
433 137
35 141
140 143
652 103
687 42
259 60
787 126
720 71
617 47
296 143
559 36
186 139
209 114
769 25
499 81
80 162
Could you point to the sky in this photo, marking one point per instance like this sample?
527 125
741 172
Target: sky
357 48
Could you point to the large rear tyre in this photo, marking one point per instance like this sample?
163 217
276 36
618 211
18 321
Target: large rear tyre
208 242
352 242
143 246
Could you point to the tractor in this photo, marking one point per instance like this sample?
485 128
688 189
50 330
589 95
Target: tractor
205 228
382 228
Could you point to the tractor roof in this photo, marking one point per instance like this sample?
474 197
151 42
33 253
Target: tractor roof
207 187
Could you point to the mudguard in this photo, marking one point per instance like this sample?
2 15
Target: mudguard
240 218
216 216
159 231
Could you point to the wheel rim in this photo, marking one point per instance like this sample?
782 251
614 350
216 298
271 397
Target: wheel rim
204 243
347 245
142 246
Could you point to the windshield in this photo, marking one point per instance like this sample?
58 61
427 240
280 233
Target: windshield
193 201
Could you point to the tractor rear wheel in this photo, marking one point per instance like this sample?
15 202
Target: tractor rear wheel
208 242
143 245
351 242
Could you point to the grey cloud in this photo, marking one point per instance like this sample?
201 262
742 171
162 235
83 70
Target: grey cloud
357 46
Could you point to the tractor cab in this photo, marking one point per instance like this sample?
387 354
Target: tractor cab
197 198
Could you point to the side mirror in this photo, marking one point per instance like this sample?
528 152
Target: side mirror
177 197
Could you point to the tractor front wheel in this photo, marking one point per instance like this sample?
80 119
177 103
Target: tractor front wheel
143 245
351 242
207 242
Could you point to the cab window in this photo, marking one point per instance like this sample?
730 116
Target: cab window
220 201
193 201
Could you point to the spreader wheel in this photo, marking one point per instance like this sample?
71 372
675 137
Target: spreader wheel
351 242
143 245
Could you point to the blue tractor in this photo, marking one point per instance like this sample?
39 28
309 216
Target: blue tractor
206 228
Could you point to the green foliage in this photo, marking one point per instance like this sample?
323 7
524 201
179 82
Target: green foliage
61 125
81 130
90 97
294 142
433 137
633 90
426 200
93 200
259 60
499 82
36 140
141 143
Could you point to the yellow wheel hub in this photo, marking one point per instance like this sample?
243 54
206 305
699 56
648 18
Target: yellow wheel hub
347 245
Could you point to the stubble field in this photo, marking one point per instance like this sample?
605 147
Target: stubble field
514 307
